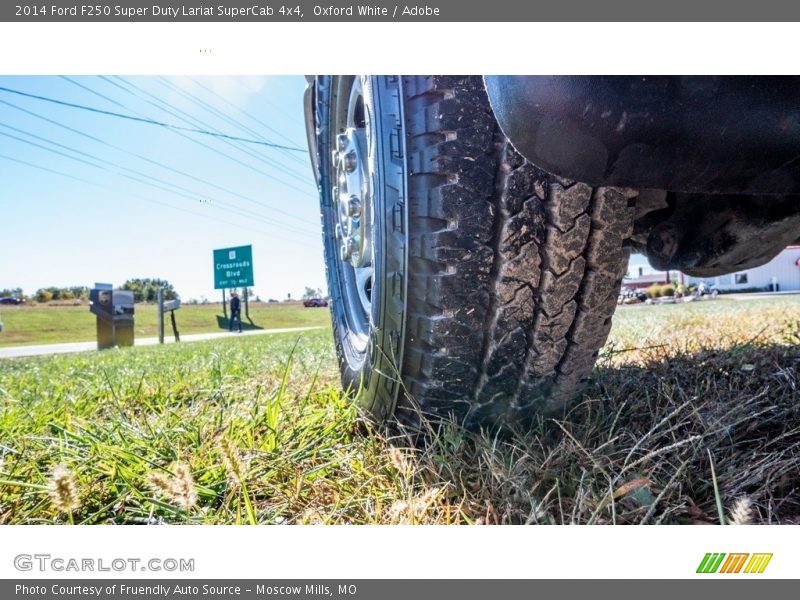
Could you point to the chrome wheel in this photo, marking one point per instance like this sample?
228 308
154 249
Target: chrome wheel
352 204
361 153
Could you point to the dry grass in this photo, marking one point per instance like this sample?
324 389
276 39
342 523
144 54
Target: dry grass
690 409
638 449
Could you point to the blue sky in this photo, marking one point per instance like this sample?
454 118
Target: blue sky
106 199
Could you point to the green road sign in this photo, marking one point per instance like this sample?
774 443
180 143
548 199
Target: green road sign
233 267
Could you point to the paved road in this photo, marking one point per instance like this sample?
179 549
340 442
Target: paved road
47 349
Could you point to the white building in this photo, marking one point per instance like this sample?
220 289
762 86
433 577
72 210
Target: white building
783 270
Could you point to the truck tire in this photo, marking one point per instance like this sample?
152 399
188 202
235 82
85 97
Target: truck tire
482 287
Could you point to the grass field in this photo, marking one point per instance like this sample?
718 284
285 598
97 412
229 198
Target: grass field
25 325
693 416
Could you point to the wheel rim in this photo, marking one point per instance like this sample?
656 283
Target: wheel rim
352 206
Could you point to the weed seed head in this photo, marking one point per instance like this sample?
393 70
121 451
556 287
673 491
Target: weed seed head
742 512
64 489
398 460
185 495
178 489
232 460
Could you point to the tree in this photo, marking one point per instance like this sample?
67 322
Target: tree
146 289
81 292
312 293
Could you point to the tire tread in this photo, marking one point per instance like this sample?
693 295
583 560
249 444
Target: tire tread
513 273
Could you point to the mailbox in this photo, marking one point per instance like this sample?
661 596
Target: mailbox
114 312
172 304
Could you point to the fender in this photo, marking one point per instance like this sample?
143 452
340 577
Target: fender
701 134
309 98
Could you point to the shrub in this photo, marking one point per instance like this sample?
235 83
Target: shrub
44 295
668 290
654 291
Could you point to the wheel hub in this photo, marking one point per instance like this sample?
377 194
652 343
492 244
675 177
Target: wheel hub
351 195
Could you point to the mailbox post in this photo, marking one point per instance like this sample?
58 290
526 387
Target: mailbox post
114 311
164 306
160 300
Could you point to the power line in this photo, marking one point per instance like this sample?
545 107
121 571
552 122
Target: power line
146 199
197 122
250 116
194 196
266 100
93 92
160 164
149 121
198 142
48 169
156 102
288 169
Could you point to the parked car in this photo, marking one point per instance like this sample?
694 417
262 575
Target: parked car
629 295
314 302
706 289
11 300
477 229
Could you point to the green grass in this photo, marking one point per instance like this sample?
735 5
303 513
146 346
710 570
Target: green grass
725 320
49 324
256 430
117 417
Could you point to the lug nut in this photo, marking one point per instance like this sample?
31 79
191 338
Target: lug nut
341 142
354 207
347 248
350 161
